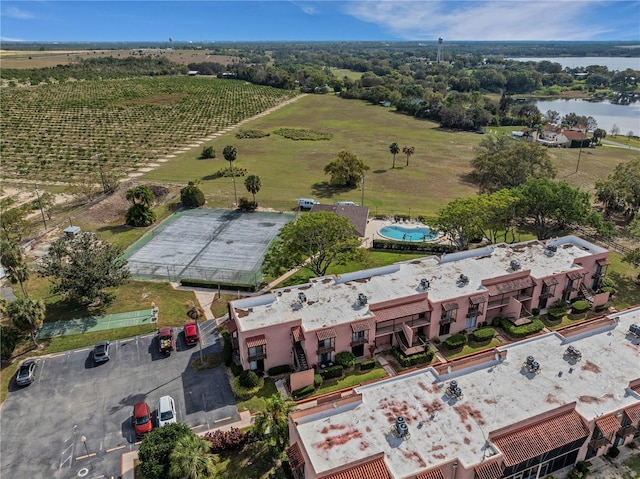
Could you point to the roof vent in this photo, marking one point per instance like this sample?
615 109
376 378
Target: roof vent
634 330
454 391
551 248
425 284
515 264
362 299
296 305
531 365
573 353
302 298
463 279
401 427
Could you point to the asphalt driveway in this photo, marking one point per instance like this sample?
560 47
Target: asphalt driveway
43 425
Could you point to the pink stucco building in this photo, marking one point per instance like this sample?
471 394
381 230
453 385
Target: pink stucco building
408 303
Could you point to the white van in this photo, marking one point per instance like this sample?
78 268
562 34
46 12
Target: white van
346 203
306 202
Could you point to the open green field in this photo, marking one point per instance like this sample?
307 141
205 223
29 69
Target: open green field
292 169
59 132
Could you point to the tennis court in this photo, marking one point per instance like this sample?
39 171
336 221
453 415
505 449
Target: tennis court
218 246
95 323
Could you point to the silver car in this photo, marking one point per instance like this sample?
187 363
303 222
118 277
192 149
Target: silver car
26 372
101 351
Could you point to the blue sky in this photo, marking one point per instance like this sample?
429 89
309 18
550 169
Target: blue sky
274 20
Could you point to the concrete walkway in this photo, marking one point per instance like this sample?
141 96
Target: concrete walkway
386 366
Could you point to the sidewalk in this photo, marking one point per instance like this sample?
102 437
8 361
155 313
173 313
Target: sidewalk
128 459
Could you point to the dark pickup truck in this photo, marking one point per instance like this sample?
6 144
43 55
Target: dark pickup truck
166 341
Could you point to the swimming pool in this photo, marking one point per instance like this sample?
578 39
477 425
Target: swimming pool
408 233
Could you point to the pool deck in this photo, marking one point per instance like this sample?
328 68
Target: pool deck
374 225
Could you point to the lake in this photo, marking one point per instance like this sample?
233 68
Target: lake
627 117
612 63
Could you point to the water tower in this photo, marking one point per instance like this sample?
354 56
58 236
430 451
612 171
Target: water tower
440 42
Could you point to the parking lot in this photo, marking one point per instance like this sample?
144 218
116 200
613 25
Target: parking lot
74 420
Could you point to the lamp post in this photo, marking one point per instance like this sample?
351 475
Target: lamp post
579 154
362 202
86 449
40 205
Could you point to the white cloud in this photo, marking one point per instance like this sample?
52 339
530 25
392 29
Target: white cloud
480 20
15 12
9 39
306 7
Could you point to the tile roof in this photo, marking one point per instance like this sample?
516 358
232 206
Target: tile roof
450 306
574 275
540 438
402 310
575 135
432 474
357 215
489 470
478 299
608 425
633 413
255 341
509 286
360 326
297 333
375 469
296 461
326 333
550 281
603 262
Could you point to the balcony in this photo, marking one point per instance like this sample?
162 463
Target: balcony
596 444
472 313
625 431
358 341
496 303
258 356
326 349
547 294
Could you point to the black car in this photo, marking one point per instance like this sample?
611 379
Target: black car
101 351
26 372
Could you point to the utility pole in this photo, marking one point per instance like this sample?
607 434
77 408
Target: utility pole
579 155
362 202
40 205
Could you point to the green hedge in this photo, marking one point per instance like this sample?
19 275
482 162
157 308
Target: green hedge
227 350
303 391
202 283
317 380
483 334
332 372
248 379
556 314
521 331
456 341
346 359
276 370
367 364
580 307
608 289
414 359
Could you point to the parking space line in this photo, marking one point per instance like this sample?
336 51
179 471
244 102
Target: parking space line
223 419
115 448
196 427
57 355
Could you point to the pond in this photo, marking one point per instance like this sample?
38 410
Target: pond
612 63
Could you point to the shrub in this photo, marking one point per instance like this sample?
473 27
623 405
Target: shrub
221 441
236 369
608 289
139 215
456 341
249 379
367 364
242 392
317 380
535 311
208 152
582 466
282 369
9 339
302 134
414 359
580 306
516 332
332 372
556 314
436 340
608 283
601 307
483 334
244 134
191 196
226 173
227 350
245 204
346 359
303 391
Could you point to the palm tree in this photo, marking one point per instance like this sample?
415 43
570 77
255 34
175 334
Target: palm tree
394 148
408 150
230 154
253 185
274 421
190 459
27 315
13 262
140 195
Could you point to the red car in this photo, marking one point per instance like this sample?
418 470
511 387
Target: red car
141 419
191 333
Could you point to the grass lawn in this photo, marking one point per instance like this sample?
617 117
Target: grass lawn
470 347
628 293
258 403
254 461
352 379
434 176
633 463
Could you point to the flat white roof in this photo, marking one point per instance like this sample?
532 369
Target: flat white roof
334 300
496 394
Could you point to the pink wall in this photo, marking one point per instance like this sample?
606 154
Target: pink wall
301 379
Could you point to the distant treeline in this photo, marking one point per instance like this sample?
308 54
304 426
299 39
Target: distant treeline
95 68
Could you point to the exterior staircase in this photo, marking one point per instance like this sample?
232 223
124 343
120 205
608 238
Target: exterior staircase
301 356
402 340
587 293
